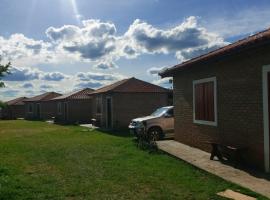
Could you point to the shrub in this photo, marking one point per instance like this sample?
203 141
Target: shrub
146 141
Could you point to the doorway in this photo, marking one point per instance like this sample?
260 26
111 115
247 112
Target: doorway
38 111
109 112
266 114
65 111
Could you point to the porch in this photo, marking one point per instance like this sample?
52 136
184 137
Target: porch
256 182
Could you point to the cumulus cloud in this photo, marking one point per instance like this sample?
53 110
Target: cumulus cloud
97 41
45 86
27 74
155 70
88 76
88 84
65 33
187 36
53 76
157 80
95 80
10 93
165 82
94 40
22 74
17 46
104 65
27 85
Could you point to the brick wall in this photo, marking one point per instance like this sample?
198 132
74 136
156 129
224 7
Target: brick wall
127 106
13 112
47 110
239 103
78 111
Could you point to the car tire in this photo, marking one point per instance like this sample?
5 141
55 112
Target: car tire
155 133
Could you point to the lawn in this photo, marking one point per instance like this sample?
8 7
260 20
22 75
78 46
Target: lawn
45 161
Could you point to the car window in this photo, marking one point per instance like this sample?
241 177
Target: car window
170 112
159 112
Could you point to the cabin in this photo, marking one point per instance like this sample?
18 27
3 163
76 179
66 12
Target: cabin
14 109
115 105
74 107
39 107
224 96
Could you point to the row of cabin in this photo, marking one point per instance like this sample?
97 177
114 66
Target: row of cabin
112 106
223 97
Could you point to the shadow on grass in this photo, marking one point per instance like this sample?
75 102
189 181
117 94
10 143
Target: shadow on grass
119 133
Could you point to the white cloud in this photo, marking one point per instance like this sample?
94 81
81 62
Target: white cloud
188 36
105 65
97 41
54 76
27 74
16 86
155 70
165 82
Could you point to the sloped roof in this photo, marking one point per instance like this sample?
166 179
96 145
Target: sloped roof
82 94
258 39
17 101
132 85
43 97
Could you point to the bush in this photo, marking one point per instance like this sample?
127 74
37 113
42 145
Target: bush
3 104
146 141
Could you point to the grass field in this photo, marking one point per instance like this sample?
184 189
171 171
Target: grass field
45 161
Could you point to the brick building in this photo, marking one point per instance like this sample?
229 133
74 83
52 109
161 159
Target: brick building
75 107
223 96
39 107
14 109
116 104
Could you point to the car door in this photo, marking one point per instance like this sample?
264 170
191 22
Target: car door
169 123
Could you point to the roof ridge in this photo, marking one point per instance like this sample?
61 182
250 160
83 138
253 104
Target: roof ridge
113 85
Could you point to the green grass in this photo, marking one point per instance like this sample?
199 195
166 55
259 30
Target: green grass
45 161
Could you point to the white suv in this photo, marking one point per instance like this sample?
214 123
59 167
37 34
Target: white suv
160 123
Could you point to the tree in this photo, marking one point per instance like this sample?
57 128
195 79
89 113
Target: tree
2 104
4 70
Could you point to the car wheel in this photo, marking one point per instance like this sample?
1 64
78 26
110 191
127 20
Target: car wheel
155 133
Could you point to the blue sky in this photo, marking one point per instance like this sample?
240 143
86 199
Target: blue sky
64 45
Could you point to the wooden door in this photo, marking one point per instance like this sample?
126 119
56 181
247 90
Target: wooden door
66 111
109 112
38 111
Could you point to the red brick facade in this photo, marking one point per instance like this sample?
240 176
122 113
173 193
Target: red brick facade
239 103
76 111
127 106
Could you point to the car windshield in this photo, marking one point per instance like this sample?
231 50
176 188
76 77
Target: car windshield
159 112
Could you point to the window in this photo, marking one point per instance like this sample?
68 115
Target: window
99 103
204 101
59 108
30 108
170 113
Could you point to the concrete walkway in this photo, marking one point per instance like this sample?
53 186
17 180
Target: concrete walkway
201 160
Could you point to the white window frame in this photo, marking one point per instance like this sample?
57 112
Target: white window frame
59 105
204 122
265 70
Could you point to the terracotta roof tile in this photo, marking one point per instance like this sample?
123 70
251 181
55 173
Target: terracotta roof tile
17 101
131 85
82 94
251 41
43 97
